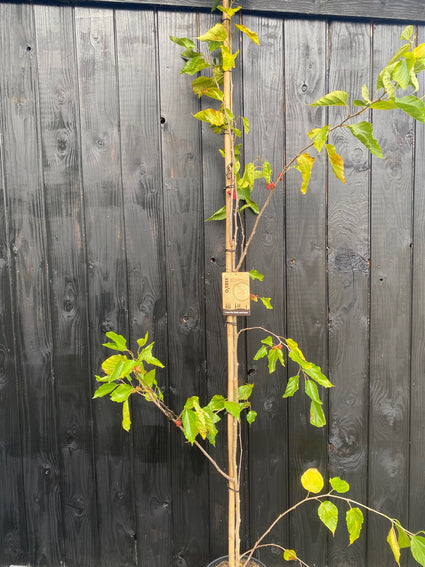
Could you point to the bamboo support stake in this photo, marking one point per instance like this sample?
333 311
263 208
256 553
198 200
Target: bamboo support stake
232 377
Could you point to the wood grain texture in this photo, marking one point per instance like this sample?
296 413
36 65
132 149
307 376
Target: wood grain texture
184 246
143 214
305 81
13 540
268 452
348 280
391 236
27 234
66 255
417 426
107 282
408 10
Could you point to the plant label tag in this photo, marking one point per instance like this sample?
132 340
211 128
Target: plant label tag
236 299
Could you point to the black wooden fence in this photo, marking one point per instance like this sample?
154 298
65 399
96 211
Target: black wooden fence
105 182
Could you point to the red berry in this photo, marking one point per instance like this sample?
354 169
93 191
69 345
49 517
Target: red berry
178 423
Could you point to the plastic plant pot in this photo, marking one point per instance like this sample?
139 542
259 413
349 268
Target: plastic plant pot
217 562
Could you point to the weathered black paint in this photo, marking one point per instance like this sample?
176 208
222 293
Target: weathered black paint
105 180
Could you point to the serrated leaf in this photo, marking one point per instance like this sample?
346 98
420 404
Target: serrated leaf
417 548
305 165
388 83
251 34
218 215
251 416
194 65
104 390
312 391
233 408
407 33
319 136
245 391
412 106
401 74
267 171
365 93
328 513
201 84
261 353
339 485
212 116
312 481
183 42
354 519
290 555
266 302
335 98
216 33
126 420
229 58
317 417
316 373
393 543
119 342
337 162
121 393
274 355
363 131
254 275
292 386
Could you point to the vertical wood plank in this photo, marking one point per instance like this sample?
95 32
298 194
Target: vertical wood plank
143 210
348 265
13 543
305 80
107 283
27 234
62 181
184 240
417 425
391 236
268 451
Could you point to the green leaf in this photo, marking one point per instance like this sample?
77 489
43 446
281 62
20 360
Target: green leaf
254 275
317 417
365 93
354 519
267 172
339 485
104 390
412 106
149 378
319 136
218 215
266 302
289 555
245 391
275 354
337 162
189 425
358 102
229 11
268 341
292 386
194 65
417 547
245 124
126 420
142 341
328 513
305 164
315 372
312 391
251 34
403 49
216 5
213 45
384 105
401 74
233 408
261 353
183 42
108 365
121 393
364 133
212 116
205 86
148 357
119 342
393 543
229 58
250 416
335 98
102 378
407 33
403 538
312 481
216 33
217 403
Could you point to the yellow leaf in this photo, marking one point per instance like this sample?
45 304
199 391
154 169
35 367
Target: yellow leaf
419 51
312 481
393 541
290 555
305 164
251 34
337 162
108 366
